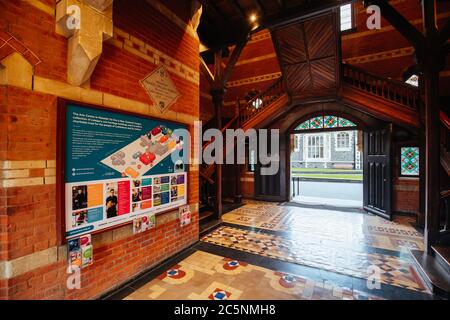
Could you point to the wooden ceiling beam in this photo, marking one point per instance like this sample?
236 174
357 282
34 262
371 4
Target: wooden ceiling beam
218 17
399 22
206 72
233 60
309 9
239 8
282 5
444 33
218 68
259 6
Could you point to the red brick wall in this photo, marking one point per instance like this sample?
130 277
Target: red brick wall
30 28
406 195
28 215
114 264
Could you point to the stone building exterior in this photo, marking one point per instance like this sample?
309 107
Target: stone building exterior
327 150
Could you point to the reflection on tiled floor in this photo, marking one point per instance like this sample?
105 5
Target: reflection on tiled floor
292 252
328 226
204 276
317 254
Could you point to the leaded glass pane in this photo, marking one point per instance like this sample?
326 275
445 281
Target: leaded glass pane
325 122
316 123
303 126
410 161
344 123
330 122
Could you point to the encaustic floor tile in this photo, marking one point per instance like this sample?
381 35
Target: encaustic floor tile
345 228
223 283
271 251
393 270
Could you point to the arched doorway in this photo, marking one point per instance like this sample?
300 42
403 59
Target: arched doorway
326 160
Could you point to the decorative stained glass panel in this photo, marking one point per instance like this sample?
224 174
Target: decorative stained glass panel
325 122
410 161
316 123
330 122
304 126
344 123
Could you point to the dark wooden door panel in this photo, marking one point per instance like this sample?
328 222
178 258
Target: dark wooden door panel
377 172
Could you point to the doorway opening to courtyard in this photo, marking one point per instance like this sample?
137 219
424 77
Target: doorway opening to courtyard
326 162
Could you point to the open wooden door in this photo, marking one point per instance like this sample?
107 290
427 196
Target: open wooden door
378 171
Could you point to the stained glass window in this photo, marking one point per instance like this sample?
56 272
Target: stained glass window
325 122
344 123
330 122
304 126
410 161
316 123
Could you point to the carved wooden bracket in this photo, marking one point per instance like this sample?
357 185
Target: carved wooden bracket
87 23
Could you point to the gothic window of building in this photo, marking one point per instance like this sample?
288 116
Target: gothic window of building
297 138
315 147
343 141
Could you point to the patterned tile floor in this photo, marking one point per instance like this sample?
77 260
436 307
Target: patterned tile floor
204 276
278 251
345 228
323 255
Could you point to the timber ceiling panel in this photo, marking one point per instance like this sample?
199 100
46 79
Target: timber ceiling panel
299 77
225 22
292 41
323 73
319 34
308 56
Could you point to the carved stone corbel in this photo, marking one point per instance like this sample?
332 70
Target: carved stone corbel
196 14
87 23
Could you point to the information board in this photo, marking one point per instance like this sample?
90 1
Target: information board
119 167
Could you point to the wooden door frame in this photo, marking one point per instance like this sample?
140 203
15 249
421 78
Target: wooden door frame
360 125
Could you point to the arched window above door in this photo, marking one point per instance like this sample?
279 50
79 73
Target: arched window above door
325 122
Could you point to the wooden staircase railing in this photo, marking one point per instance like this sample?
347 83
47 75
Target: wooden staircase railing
258 103
388 89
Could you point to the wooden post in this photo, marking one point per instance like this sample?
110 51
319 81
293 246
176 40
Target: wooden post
238 193
218 95
431 55
422 168
432 162
218 83
431 67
